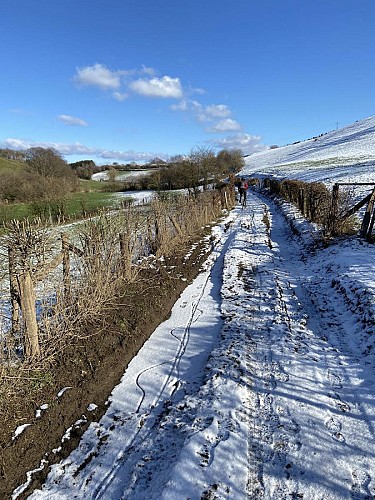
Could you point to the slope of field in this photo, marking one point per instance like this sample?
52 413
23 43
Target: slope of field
345 155
9 165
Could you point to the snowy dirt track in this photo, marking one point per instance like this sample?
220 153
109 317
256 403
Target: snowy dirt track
257 386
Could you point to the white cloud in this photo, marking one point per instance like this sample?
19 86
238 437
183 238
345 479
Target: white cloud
120 96
127 156
98 76
218 111
166 87
147 71
80 149
72 120
140 81
247 143
180 106
209 114
199 91
15 144
22 144
227 125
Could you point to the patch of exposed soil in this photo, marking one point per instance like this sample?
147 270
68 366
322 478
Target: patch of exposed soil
90 367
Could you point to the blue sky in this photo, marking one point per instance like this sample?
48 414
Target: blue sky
128 80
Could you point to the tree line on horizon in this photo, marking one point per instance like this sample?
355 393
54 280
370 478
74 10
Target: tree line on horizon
44 175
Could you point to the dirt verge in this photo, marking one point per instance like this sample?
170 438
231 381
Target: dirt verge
88 371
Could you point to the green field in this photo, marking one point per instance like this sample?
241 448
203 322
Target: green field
91 197
77 206
90 202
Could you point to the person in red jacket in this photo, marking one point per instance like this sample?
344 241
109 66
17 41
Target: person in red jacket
242 189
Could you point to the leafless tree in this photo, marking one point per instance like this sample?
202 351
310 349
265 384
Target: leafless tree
47 162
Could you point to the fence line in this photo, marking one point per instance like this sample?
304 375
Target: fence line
329 209
105 251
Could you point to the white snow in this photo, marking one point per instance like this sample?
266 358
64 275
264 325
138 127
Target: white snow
19 430
129 175
261 383
63 390
137 197
39 411
21 489
344 155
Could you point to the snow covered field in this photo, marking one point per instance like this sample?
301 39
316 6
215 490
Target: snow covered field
129 175
345 155
261 384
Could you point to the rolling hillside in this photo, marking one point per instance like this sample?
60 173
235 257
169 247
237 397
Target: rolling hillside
345 155
7 165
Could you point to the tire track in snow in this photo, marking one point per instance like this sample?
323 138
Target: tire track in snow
299 404
347 403
278 433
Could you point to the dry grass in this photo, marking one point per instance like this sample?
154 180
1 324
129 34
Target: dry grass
315 202
105 253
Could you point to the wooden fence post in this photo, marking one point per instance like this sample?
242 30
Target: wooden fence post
157 239
27 298
215 209
66 265
126 254
367 217
371 226
332 223
227 201
176 225
14 292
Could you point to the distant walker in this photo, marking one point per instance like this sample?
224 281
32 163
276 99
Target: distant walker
242 189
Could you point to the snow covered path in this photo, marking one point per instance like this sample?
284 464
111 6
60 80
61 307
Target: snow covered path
313 403
254 388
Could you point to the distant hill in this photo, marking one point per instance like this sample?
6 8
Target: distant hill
344 155
7 165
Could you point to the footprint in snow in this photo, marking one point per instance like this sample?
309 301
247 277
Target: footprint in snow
205 455
301 349
333 425
360 488
270 384
334 379
267 436
282 376
208 450
273 421
292 427
214 490
339 437
343 406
